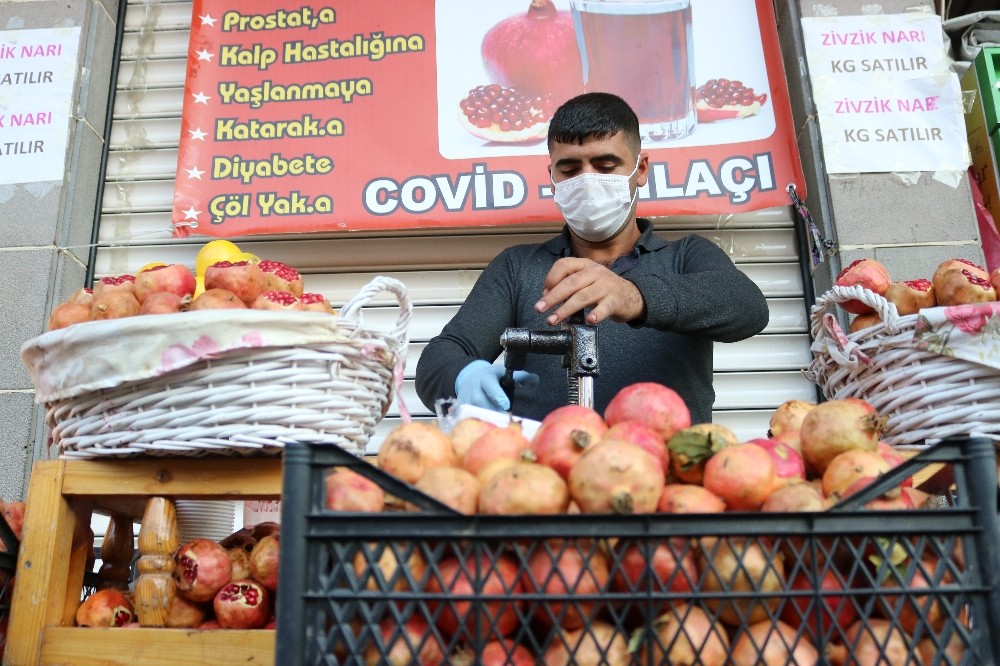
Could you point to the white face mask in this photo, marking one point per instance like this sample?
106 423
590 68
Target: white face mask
596 205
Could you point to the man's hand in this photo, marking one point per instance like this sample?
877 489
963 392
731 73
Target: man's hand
574 284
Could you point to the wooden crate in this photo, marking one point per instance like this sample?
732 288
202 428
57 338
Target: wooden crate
62 496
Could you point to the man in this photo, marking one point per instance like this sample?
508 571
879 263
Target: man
658 305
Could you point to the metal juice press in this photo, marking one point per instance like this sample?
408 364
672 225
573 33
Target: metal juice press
575 341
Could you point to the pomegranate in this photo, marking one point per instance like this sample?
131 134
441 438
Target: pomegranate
242 604
786 421
689 498
174 278
868 274
164 302
535 52
909 607
795 497
772 643
597 645
113 283
686 636
264 561
652 405
312 302
494 466
217 299
850 466
741 565
788 462
722 99
411 449
465 432
410 644
616 477
209 625
67 314
836 426
558 569
863 321
505 442
347 490
895 459
114 305
643 437
995 278
266 528
105 608
691 448
183 613
564 434
504 115
82 296
949 265
909 296
477 575
242 278
496 653
524 488
276 300
963 287
201 568
742 476
953 652
378 566
452 486
280 277
834 609
239 559
239 539
13 514
671 563
871 642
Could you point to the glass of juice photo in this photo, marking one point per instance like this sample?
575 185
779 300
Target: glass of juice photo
642 51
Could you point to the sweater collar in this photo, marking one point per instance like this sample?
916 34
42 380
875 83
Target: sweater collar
648 241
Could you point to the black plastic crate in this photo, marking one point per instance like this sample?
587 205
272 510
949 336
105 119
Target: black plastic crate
929 573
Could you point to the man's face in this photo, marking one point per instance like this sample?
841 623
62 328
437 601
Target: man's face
608 155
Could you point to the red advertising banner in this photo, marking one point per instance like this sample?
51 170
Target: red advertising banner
337 115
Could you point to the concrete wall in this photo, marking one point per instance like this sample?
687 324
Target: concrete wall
45 228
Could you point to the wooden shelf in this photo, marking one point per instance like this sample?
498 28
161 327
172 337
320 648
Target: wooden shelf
62 496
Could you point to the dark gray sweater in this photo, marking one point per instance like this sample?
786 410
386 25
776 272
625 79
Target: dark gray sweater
694 295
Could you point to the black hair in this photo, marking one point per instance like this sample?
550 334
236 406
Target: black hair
599 115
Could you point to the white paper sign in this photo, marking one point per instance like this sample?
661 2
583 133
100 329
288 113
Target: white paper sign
37 75
884 93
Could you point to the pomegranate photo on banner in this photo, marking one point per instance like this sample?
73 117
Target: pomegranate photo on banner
337 115
702 80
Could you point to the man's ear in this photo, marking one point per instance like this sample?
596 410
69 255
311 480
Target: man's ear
642 171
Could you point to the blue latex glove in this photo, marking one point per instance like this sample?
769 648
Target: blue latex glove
479 384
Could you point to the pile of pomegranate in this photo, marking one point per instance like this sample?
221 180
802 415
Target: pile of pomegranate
239 281
226 585
643 456
954 282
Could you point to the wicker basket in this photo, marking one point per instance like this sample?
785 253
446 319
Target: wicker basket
925 395
242 401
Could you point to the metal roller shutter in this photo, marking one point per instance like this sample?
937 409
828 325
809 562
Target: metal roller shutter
438 267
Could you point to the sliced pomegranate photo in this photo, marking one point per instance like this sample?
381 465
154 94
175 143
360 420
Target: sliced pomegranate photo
723 99
504 115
